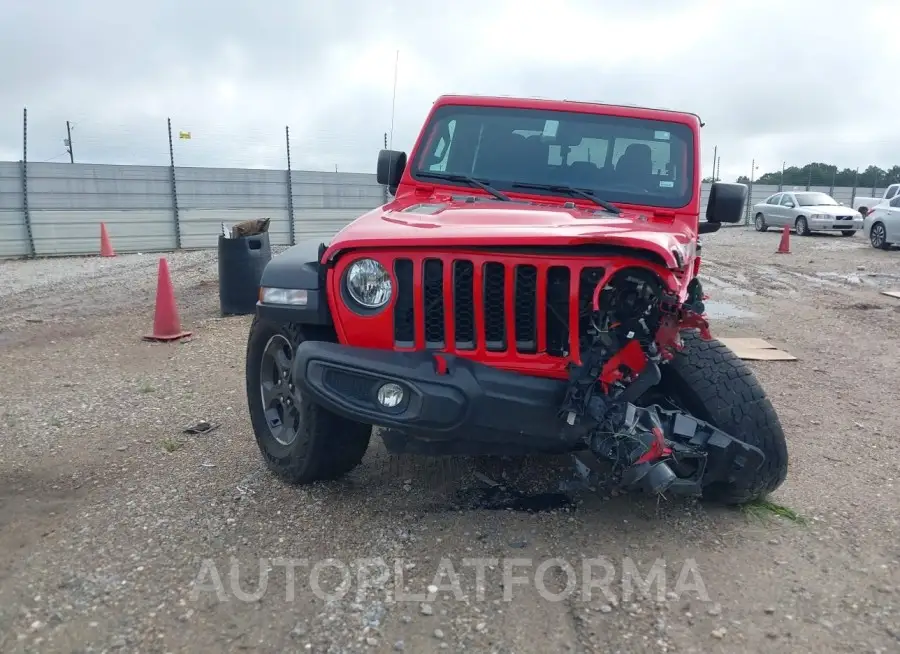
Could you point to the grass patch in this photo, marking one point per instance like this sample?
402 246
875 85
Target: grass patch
146 387
171 445
764 509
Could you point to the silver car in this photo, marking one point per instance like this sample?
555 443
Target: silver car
806 212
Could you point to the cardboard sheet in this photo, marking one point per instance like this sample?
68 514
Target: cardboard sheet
756 349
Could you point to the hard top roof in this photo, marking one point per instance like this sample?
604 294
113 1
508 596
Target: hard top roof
653 113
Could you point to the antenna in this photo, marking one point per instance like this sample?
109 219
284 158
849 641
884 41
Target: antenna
394 99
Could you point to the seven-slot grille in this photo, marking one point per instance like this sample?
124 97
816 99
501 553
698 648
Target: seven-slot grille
493 306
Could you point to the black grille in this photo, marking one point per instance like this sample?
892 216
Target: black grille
433 285
494 334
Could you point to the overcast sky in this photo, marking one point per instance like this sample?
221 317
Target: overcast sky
800 80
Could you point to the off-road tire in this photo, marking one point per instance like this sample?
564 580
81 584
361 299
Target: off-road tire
708 380
327 446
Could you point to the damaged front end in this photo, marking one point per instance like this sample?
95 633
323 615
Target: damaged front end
633 445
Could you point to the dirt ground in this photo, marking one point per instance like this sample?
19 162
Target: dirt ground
109 513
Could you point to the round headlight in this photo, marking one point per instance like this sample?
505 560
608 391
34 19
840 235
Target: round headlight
369 283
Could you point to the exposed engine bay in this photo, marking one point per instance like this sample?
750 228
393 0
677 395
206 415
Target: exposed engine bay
632 445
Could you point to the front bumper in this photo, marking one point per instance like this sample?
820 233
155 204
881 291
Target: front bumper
833 224
468 401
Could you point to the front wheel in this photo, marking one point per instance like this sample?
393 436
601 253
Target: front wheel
802 227
760 223
709 381
300 441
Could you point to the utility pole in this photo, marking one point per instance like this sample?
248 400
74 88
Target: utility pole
718 169
69 142
715 158
781 183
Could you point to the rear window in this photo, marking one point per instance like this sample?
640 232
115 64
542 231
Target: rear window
621 159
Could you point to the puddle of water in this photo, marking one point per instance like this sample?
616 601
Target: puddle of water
850 278
722 286
725 310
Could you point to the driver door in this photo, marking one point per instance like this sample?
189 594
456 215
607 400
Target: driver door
787 210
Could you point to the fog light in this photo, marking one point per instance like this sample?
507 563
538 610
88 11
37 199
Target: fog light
390 395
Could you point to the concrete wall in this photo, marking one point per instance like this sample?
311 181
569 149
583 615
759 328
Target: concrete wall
67 202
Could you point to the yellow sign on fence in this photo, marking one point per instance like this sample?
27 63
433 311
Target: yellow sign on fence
184 135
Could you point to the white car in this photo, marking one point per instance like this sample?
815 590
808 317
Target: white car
865 204
882 224
806 212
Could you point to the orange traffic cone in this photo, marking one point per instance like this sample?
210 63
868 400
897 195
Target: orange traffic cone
106 248
785 246
166 324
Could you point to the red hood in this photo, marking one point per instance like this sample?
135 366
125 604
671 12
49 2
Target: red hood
442 222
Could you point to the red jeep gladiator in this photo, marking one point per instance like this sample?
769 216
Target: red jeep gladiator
531 288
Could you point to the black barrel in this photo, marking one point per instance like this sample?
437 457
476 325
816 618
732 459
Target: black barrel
241 264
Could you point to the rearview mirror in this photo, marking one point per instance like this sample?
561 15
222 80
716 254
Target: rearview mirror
726 202
391 165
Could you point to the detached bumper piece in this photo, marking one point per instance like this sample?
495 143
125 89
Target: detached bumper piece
698 455
658 451
434 397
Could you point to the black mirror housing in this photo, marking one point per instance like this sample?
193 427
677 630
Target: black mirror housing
726 202
391 164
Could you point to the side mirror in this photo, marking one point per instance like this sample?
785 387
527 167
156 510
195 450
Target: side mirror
391 165
726 202
708 228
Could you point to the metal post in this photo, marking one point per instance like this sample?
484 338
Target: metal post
25 211
750 193
809 179
874 183
855 184
719 169
290 183
69 142
833 177
715 159
781 182
174 188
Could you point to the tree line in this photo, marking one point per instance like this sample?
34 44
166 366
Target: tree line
822 174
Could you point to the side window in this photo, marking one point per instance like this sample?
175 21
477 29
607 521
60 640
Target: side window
787 201
891 191
442 149
896 201
590 150
775 199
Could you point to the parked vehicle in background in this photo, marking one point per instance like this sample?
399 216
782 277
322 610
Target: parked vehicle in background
865 204
882 224
806 212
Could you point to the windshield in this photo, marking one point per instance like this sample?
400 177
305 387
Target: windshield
815 200
620 159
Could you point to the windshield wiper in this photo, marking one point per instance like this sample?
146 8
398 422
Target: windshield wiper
471 181
571 190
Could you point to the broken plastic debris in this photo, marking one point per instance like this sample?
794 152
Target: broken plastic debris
202 427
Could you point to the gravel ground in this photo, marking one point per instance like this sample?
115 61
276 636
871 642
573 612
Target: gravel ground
109 513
